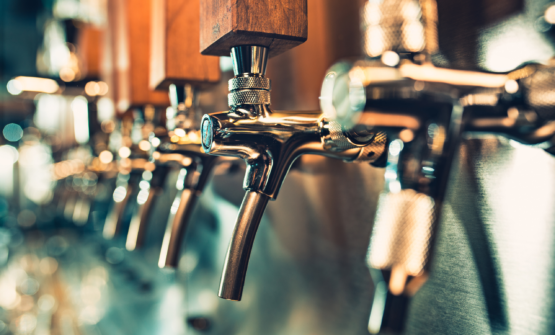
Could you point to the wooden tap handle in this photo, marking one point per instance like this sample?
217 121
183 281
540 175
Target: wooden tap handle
175 47
278 25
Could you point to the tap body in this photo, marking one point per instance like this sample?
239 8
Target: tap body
196 168
269 142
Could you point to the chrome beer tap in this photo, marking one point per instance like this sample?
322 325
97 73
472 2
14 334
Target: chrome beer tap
269 142
182 148
133 162
151 184
399 91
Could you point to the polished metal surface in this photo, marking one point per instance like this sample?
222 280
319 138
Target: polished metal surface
237 83
191 184
269 142
249 97
150 189
249 60
123 195
249 87
240 246
182 148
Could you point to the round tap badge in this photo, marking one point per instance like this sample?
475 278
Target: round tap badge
207 131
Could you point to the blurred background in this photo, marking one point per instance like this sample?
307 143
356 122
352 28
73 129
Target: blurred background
77 141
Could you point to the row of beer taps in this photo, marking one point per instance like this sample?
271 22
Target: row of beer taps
394 110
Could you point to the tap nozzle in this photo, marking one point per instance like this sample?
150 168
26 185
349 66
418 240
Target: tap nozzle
190 185
146 199
240 246
269 142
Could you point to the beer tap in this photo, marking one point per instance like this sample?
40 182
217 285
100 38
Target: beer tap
176 64
183 149
269 141
129 31
398 90
150 186
132 164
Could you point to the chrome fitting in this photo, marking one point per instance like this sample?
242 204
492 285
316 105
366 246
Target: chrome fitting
249 87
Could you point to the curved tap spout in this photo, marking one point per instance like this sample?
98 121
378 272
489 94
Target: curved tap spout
191 184
128 185
269 142
146 202
240 246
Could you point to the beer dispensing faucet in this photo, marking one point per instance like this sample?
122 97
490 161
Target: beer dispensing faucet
184 150
398 90
269 141
176 64
129 32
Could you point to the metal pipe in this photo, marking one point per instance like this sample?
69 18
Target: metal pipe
177 223
138 226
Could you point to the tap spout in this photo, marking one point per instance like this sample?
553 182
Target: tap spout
195 178
240 246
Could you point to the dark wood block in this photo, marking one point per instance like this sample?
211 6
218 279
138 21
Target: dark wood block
175 52
279 25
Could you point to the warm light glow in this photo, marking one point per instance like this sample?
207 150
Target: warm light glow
398 280
186 161
406 135
92 88
511 86
550 14
155 142
103 88
179 132
144 145
67 74
32 84
390 58
106 157
124 152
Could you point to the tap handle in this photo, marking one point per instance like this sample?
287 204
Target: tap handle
175 46
228 23
131 41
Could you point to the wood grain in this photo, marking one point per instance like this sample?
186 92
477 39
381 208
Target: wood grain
279 25
175 53
131 41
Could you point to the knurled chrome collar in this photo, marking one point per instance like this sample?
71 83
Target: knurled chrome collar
249 91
